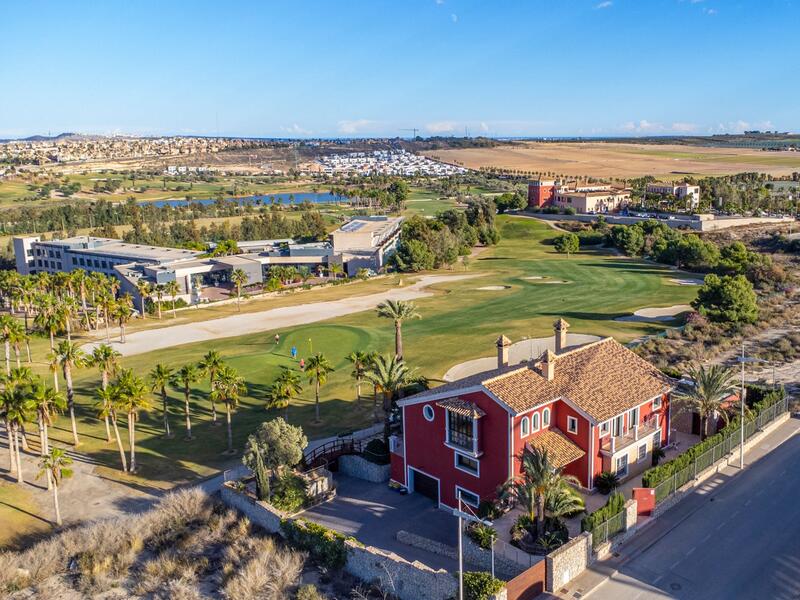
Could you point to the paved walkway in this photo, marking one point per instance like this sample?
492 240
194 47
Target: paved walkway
277 318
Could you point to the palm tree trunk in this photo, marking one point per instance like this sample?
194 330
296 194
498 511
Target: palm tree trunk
55 380
540 515
12 463
20 479
122 333
132 439
164 410
28 348
71 405
186 413
119 441
108 333
398 338
69 329
52 341
213 409
230 427
8 356
55 504
142 305
316 401
174 314
16 355
43 446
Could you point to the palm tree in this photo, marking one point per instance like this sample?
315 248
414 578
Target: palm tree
712 386
159 297
16 408
68 307
17 336
228 387
239 278
105 300
107 401
122 312
398 311
539 479
106 359
50 320
388 374
317 370
79 279
7 326
334 269
173 289
144 289
160 377
133 397
287 386
69 356
360 361
210 365
183 379
46 401
54 465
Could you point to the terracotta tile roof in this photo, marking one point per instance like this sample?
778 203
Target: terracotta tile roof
602 378
560 450
462 407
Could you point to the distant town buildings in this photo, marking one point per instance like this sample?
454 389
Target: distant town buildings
385 162
587 198
681 191
363 242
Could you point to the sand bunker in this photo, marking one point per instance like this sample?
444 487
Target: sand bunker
553 281
494 288
535 277
666 313
687 281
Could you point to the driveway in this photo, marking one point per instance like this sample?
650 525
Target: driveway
373 514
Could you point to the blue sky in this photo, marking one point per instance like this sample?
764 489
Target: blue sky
297 68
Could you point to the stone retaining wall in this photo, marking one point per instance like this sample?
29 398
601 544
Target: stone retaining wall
568 561
262 514
359 467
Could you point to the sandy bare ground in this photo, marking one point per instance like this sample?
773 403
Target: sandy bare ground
666 313
518 352
604 159
271 320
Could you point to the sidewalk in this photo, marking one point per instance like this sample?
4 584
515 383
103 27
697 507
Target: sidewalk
654 529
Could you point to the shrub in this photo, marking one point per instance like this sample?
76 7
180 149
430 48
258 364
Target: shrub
324 545
488 509
377 452
613 506
606 482
481 534
308 592
480 585
290 493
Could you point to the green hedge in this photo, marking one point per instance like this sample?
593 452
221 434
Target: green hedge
613 506
324 545
655 475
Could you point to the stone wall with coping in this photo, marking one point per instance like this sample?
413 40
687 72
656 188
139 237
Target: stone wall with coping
360 468
262 514
568 561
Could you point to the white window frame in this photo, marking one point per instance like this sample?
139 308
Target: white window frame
604 428
657 403
633 418
476 473
425 410
570 421
657 438
627 466
535 422
524 427
639 456
546 417
459 491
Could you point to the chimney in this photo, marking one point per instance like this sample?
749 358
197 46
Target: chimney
547 366
561 327
503 344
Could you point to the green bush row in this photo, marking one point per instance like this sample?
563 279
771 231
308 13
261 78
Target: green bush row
480 585
613 506
655 475
324 545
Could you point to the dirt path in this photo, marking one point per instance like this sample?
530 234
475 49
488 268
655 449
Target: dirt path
269 320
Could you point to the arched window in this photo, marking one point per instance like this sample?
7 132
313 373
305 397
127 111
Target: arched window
525 426
546 417
427 412
536 421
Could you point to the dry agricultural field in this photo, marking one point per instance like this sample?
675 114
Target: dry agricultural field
622 160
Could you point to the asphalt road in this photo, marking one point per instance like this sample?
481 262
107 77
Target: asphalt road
730 539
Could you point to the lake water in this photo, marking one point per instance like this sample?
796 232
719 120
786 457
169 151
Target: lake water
265 200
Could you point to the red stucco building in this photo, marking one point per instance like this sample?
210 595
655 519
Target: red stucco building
595 407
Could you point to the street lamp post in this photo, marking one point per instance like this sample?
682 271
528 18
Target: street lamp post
469 517
742 361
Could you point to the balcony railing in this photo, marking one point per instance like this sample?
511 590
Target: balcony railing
461 440
614 443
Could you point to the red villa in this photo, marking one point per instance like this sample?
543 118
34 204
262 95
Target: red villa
595 407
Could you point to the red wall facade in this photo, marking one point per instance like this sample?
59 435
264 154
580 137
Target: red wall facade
540 195
426 450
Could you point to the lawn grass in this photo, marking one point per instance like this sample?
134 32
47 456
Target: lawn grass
459 323
19 514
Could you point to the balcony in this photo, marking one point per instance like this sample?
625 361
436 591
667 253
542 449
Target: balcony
614 443
461 441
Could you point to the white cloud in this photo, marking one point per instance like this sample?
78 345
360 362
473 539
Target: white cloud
441 126
604 4
295 129
483 126
356 126
439 2
454 17
681 127
709 11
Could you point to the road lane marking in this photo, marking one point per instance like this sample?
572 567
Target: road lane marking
690 550
675 564
721 525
